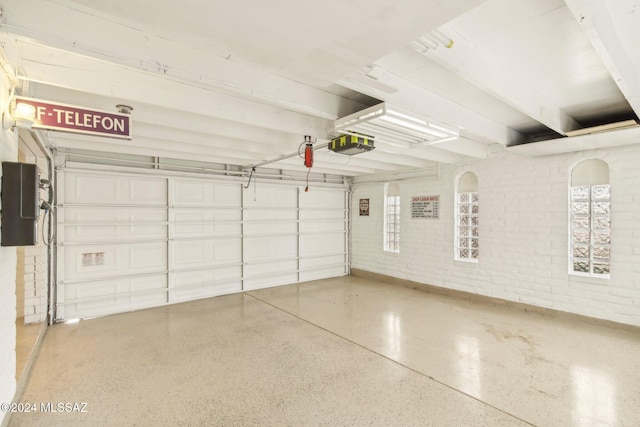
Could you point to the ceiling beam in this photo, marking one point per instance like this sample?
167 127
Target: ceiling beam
94 77
218 129
464 147
612 27
420 152
326 157
573 144
332 169
467 61
387 86
148 115
392 158
168 58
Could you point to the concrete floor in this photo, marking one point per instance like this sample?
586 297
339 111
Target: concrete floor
345 351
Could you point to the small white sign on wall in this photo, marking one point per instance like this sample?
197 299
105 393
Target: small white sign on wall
92 259
425 207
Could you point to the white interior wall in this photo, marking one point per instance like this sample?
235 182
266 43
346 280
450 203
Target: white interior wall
8 262
523 234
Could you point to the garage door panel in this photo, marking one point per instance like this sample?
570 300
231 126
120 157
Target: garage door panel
324 214
180 295
129 241
265 226
108 306
325 273
272 196
321 244
267 282
266 248
97 261
90 189
206 229
270 268
322 267
206 283
143 191
265 214
105 189
81 216
144 257
82 224
110 233
85 214
262 221
270 274
207 252
113 296
322 261
189 192
322 226
198 223
322 198
113 287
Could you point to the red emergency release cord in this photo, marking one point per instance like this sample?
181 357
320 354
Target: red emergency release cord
308 156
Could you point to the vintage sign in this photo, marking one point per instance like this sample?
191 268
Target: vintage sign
425 207
364 207
69 118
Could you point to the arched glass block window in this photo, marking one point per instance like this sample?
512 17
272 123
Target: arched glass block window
467 236
392 217
590 219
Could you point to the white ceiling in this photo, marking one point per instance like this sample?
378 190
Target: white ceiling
242 82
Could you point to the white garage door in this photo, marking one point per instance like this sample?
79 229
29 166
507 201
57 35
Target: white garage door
131 240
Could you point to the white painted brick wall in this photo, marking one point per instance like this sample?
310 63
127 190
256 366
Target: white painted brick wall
523 234
8 260
35 264
20 292
35 283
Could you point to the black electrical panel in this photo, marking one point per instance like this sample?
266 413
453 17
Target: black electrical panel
20 203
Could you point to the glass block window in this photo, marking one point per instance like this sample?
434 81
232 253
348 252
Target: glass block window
590 219
392 224
591 229
467 234
467 222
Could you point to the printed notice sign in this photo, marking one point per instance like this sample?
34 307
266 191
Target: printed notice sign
425 207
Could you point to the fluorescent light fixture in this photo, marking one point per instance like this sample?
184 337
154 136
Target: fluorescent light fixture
431 41
414 127
395 126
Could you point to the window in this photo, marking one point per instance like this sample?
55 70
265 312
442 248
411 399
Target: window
590 219
391 218
467 236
